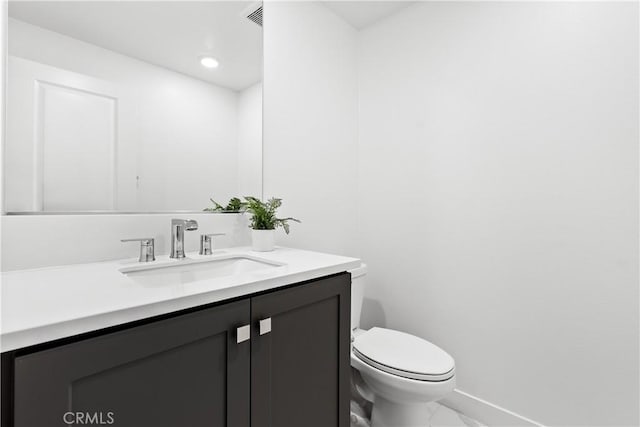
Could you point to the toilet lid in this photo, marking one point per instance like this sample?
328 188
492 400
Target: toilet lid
404 355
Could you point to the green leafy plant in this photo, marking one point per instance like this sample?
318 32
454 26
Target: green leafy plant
264 214
234 205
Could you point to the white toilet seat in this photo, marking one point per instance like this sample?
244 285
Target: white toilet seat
404 355
400 389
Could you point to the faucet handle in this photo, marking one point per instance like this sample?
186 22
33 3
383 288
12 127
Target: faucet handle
147 245
142 240
206 243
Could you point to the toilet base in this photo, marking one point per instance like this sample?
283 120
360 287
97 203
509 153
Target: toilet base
392 414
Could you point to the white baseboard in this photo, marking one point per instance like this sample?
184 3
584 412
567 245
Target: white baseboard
485 412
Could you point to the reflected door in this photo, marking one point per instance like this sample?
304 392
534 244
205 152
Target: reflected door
61 140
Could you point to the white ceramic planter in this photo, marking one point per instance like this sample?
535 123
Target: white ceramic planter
263 240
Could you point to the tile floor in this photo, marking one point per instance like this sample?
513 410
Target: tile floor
441 416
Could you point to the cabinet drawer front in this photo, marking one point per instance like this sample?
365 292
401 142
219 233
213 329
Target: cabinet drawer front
300 355
186 370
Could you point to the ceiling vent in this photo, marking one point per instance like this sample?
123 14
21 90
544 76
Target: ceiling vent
254 13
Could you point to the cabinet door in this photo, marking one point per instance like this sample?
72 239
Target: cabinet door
183 371
300 368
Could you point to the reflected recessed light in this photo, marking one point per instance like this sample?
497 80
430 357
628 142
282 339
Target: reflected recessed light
209 62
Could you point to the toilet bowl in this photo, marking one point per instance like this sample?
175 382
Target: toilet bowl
402 372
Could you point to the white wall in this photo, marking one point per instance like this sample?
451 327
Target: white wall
250 141
310 123
183 130
3 86
498 180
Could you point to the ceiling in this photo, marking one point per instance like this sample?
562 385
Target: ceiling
170 34
361 14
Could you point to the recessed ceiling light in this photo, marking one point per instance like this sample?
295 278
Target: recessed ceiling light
209 62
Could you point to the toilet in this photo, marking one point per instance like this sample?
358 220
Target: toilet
402 373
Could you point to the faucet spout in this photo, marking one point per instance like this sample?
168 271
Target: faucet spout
178 227
190 225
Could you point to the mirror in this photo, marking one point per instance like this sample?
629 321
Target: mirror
132 106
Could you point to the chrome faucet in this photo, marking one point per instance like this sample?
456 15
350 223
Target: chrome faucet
178 227
147 245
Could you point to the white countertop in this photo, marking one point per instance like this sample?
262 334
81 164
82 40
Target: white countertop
45 304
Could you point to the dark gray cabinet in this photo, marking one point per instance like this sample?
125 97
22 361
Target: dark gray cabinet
183 371
300 368
189 370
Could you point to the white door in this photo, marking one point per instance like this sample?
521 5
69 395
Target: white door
62 140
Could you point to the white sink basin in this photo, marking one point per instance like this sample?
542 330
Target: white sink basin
194 270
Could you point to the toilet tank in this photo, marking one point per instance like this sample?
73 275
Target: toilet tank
358 276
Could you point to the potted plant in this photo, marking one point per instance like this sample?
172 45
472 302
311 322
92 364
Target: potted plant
264 222
235 205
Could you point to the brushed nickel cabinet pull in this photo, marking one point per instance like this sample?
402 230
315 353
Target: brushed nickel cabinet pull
265 326
243 333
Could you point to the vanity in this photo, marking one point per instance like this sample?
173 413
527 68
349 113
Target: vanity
135 126
238 338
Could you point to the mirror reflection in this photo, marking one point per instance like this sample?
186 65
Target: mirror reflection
146 106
